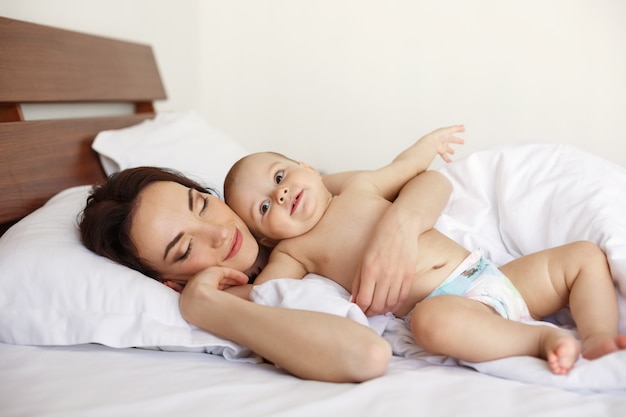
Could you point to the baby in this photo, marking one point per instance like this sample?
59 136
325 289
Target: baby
459 304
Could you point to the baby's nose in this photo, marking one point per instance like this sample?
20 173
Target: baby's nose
282 194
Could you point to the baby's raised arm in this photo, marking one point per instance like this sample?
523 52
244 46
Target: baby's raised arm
416 159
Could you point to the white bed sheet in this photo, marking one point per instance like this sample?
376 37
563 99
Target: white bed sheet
98 381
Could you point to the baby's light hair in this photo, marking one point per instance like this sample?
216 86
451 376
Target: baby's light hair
233 172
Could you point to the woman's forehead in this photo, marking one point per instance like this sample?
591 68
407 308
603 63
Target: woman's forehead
160 199
163 191
157 216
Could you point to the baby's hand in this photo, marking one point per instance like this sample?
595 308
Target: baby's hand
443 137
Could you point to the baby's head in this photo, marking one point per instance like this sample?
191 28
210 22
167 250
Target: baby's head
277 197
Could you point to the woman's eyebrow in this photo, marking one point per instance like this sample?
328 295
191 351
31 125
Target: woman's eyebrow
190 199
172 243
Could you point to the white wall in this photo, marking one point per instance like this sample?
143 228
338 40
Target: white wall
350 83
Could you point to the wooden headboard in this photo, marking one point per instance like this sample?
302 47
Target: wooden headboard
41 64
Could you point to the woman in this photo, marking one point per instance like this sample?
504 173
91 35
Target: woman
174 230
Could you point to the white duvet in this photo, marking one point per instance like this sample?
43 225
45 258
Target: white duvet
509 202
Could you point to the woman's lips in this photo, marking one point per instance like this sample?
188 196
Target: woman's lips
296 202
235 244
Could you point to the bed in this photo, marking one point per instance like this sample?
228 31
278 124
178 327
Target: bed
81 336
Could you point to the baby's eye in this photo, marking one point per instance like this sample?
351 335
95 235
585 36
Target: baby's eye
279 177
265 206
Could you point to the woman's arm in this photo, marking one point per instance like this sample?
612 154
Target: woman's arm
387 269
308 344
388 265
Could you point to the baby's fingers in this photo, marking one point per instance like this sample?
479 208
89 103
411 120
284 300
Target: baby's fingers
457 128
456 140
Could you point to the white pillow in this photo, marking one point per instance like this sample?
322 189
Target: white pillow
54 291
183 141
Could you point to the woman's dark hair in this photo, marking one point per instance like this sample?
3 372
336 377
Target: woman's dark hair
106 219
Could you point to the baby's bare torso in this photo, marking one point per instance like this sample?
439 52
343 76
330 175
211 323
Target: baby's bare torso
334 248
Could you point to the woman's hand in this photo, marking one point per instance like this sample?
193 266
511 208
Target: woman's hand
384 278
217 277
198 292
223 277
387 269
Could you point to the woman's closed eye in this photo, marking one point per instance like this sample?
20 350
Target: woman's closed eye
187 252
203 207
205 203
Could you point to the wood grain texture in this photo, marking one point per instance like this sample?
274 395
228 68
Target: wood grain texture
40 64
43 64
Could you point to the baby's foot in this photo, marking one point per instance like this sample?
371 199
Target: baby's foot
561 351
602 344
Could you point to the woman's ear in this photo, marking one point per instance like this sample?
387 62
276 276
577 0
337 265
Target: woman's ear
176 286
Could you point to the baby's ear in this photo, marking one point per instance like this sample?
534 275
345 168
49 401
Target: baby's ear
307 166
267 242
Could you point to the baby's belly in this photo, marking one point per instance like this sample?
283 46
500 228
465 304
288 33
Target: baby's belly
438 257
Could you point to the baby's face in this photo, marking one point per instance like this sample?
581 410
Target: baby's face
278 198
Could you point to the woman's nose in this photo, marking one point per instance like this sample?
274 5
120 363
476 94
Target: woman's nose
216 234
281 194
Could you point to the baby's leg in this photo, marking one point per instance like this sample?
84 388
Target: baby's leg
578 274
470 330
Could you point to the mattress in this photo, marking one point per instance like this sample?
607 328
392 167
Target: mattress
94 380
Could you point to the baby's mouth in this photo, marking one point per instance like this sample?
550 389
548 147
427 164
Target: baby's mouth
296 202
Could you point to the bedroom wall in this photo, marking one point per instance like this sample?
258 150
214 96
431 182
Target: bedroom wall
349 83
